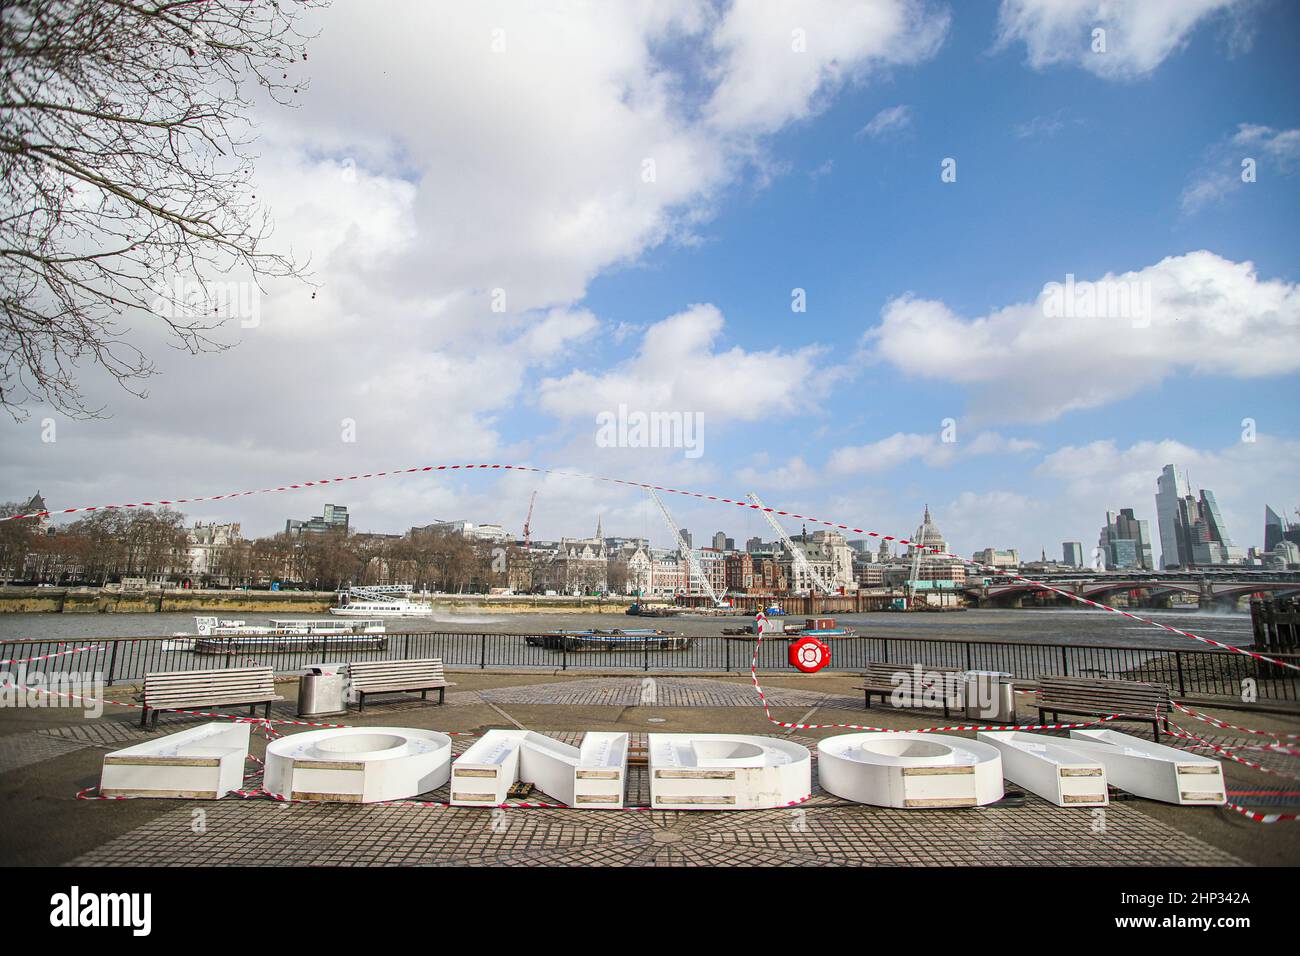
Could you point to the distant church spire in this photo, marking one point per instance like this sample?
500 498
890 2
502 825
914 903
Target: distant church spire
600 535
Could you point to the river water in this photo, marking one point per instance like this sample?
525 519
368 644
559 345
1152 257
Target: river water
1054 625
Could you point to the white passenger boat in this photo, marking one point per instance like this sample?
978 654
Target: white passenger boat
215 635
380 601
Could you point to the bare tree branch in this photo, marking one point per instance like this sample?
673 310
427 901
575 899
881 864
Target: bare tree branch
125 181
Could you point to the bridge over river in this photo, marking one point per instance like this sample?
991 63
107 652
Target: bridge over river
1218 588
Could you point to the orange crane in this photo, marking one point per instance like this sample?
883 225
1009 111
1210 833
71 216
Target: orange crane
528 521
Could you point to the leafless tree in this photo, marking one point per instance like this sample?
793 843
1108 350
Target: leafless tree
125 180
17 539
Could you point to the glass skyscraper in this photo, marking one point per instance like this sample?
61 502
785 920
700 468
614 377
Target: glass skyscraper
1171 488
1125 541
1192 532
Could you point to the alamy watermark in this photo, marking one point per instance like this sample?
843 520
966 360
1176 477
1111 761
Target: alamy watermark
76 908
1103 299
215 301
638 429
34 688
921 688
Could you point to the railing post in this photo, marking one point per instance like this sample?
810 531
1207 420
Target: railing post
968 658
645 655
1178 660
1065 662
564 654
112 664
727 645
482 651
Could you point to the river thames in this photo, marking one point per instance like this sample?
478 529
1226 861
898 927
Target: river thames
1054 625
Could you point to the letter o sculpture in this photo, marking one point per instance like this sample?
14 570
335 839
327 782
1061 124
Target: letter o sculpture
358 764
910 770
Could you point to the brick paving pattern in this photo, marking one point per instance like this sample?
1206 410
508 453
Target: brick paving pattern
21 750
115 732
644 691
824 832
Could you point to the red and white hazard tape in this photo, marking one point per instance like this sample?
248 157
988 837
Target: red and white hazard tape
265 722
1263 817
767 710
1224 725
46 657
675 491
1176 731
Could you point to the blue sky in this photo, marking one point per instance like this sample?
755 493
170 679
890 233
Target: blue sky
423 172
1059 171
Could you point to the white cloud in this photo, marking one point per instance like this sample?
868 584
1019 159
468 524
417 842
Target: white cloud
889 121
1272 151
1139 34
1101 475
1028 362
678 368
793 473
888 453
1044 127
429 176
994 519
780 60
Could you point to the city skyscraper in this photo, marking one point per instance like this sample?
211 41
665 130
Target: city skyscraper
1273 528
1171 488
1072 553
1125 541
1202 533
1192 532
1277 529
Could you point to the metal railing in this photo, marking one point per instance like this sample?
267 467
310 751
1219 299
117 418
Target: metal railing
119 660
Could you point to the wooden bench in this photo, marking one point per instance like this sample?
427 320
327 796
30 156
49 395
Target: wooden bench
1100 697
884 679
178 690
397 677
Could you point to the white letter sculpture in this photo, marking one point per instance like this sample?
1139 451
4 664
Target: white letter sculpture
910 770
204 763
1153 770
1051 767
727 772
590 776
357 764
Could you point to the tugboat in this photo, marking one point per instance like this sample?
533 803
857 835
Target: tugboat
822 627
641 610
612 639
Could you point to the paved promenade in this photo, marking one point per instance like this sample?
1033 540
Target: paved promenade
48 754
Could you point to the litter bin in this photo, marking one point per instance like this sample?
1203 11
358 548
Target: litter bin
322 691
990 696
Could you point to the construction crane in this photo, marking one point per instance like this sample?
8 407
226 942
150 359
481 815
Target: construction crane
528 521
696 571
917 550
800 559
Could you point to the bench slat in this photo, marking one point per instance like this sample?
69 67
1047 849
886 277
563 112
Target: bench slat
215 687
1102 697
379 677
